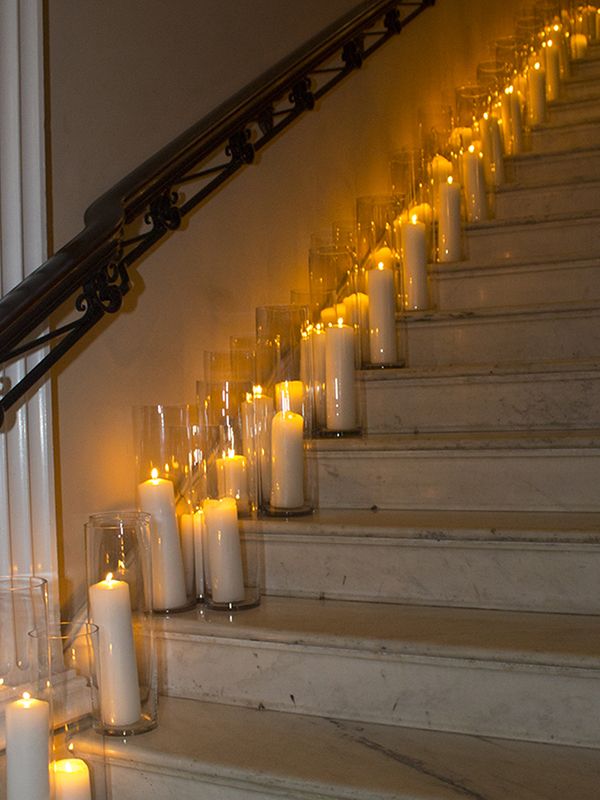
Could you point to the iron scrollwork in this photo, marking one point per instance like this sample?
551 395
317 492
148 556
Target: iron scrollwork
104 292
301 95
353 53
164 214
240 148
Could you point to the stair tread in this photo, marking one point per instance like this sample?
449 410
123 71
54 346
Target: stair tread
478 372
297 756
473 265
479 314
490 527
464 440
491 225
396 631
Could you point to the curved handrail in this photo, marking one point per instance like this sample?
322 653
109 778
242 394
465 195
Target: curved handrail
94 263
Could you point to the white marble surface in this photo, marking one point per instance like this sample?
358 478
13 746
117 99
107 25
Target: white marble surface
510 472
473 286
496 336
568 110
562 236
564 197
579 88
553 137
568 164
485 672
413 559
223 753
493 398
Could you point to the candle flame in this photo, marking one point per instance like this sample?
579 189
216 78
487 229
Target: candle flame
340 322
486 115
381 265
537 65
450 179
257 391
549 42
109 577
26 696
230 453
154 474
556 28
509 90
414 219
471 148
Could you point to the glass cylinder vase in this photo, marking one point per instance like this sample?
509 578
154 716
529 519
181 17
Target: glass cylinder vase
25 696
120 588
283 412
164 476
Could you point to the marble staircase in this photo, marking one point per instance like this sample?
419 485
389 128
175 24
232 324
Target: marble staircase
432 632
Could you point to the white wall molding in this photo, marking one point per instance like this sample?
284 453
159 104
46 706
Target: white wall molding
27 500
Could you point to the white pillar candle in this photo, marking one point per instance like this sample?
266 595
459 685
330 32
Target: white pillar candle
110 610
27 747
232 479
71 779
516 116
461 138
414 262
199 546
340 378
357 315
305 356
474 186
331 314
579 45
505 106
383 342
551 54
383 256
156 497
441 169
536 83
449 227
224 550
287 460
186 533
289 395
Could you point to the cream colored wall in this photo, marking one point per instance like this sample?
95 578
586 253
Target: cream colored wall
125 77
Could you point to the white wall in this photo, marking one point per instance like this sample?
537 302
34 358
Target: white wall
127 77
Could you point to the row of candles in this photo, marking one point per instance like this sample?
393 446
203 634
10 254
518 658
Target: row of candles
254 450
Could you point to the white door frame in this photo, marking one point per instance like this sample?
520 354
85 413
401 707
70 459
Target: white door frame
27 498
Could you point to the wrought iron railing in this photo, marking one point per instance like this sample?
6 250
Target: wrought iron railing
148 204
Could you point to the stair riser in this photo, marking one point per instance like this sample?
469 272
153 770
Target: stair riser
131 782
517 286
568 112
578 238
587 69
534 170
581 90
552 139
516 577
484 403
535 337
510 480
456 694
562 199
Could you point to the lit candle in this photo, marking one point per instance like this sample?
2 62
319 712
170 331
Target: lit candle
27 745
357 315
199 546
330 314
186 532
156 497
224 550
551 53
289 395
340 377
516 115
536 84
383 343
232 479
287 460
441 170
318 364
71 779
414 261
505 105
579 45
110 610
474 186
449 229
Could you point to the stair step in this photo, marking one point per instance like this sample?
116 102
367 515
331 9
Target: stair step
475 286
502 336
565 197
414 666
587 68
567 110
568 164
223 753
549 138
547 396
577 88
562 236
502 560
556 471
